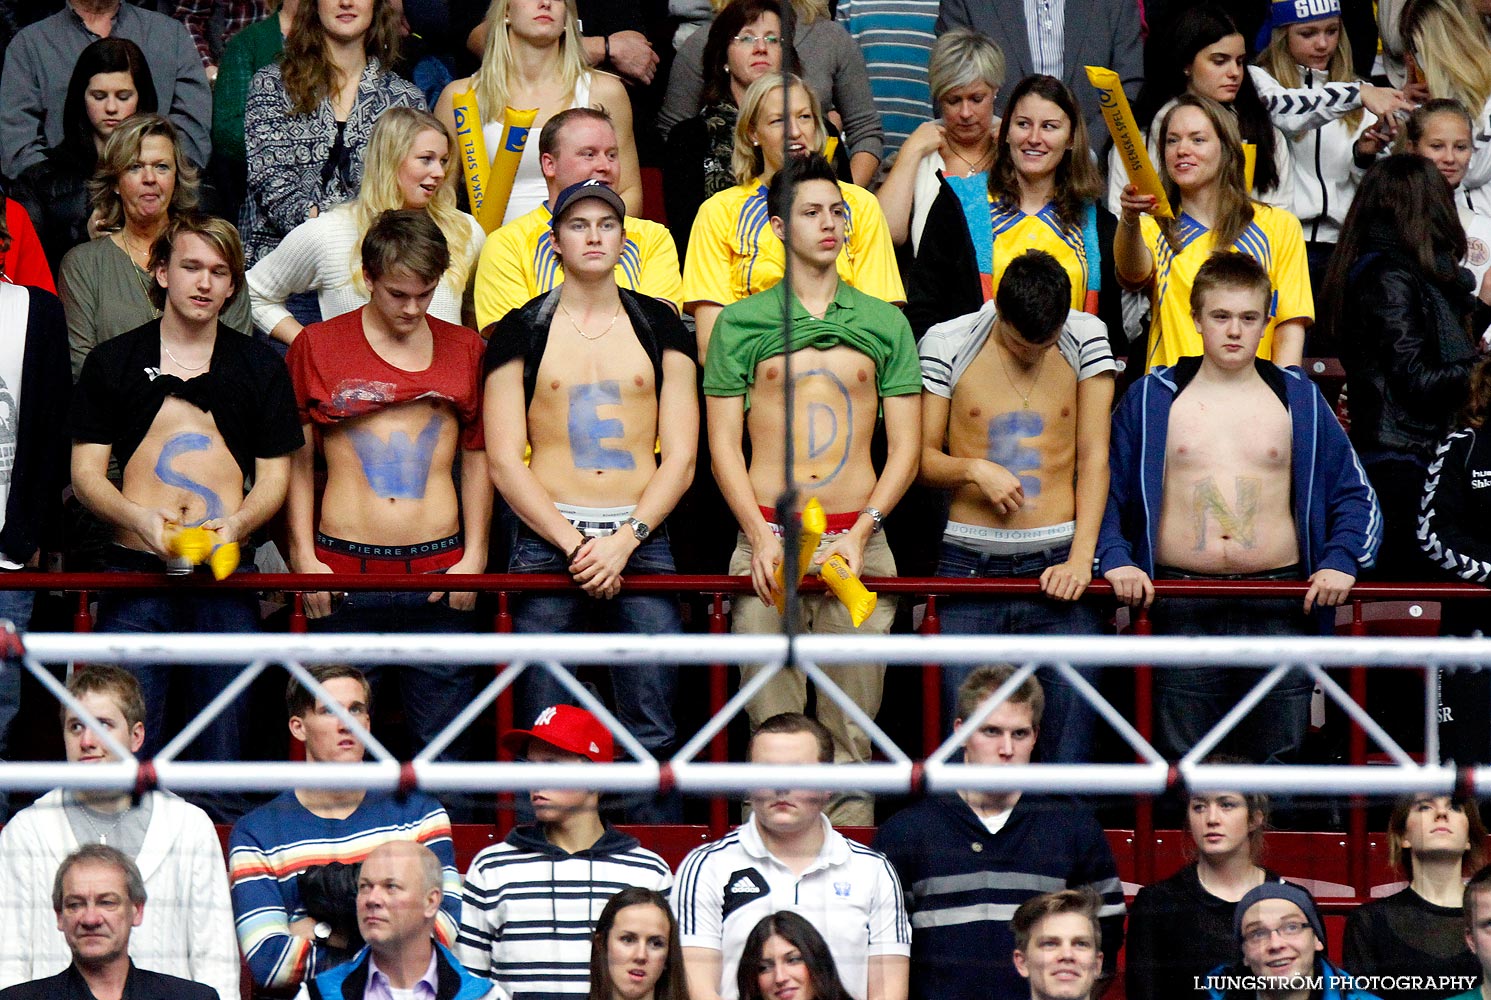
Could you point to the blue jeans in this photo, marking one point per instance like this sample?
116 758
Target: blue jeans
1189 701
191 608
15 607
1068 722
644 691
431 694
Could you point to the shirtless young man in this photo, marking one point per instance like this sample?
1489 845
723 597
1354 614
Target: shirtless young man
599 381
853 355
391 396
1233 469
190 416
1015 404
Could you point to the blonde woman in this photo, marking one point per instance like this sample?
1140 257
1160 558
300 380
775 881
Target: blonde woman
142 182
534 58
832 66
1308 58
733 252
966 73
1448 54
408 167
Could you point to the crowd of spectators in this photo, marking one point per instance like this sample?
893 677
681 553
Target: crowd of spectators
376 286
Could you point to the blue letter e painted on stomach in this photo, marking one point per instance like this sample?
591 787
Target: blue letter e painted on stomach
1007 434
587 429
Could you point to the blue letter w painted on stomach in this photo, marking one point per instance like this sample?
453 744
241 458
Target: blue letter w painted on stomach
587 429
399 468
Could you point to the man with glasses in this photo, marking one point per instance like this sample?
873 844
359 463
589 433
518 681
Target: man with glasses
1283 951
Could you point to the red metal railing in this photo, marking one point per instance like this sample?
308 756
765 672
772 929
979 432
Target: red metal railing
715 589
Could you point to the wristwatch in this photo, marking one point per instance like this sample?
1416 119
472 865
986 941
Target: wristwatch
639 529
322 930
878 518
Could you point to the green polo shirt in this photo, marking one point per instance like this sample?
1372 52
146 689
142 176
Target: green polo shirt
750 331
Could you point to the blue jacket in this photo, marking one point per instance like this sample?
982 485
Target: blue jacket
350 980
1332 979
1336 517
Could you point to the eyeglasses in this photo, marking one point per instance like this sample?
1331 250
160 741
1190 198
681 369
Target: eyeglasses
1288 930
749 40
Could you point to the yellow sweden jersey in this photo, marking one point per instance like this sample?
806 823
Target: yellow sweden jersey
733 253
518 264
1273 238
1015 232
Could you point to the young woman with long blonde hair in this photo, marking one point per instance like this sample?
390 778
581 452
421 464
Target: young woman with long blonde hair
408 167
533 58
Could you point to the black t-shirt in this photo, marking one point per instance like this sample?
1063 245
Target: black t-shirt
1406 935
247 390
524 333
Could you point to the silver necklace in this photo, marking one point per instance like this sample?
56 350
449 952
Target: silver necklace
1024 396
612 325
102 835
194 368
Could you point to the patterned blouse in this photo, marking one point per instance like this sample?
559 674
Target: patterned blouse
299 161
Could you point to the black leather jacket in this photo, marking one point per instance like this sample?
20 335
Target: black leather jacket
1407 349
55 194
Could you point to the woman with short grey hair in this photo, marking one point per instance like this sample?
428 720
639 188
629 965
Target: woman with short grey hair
966 72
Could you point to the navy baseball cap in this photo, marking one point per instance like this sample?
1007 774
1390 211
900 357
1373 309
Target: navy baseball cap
587 189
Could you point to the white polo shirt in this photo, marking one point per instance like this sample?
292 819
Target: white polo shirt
850 894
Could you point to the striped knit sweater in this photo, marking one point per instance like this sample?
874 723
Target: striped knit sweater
276 842
529 908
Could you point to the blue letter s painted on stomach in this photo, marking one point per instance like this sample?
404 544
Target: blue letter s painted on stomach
179 444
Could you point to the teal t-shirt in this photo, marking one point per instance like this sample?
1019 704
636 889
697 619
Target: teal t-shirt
750 331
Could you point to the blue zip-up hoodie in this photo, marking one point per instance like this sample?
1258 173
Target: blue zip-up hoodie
1336 517
349 981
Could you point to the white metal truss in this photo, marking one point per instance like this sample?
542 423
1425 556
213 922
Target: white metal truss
1273 657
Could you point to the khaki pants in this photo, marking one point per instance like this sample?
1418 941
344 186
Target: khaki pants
787 691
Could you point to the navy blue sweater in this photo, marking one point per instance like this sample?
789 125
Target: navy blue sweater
963 885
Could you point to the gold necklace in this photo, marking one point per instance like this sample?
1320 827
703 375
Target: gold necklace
1039 366
973 165
608 329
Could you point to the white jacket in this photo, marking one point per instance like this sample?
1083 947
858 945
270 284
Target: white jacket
1325 172
188 925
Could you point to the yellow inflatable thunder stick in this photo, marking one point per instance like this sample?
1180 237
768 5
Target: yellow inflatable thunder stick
197 545
489 183
1127 138
1250 163
814 524
847 588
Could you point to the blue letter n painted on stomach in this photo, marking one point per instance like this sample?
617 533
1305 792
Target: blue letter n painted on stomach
587 429
399 468
1007 432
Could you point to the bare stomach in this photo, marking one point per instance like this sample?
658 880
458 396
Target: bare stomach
390 477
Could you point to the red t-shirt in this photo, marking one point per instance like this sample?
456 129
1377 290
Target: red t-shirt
25 263
337 375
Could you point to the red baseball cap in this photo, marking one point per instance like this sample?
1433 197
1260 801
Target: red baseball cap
569 728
